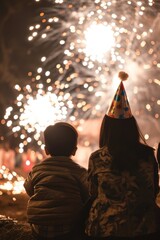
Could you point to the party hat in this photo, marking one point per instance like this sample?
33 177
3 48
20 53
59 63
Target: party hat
120 108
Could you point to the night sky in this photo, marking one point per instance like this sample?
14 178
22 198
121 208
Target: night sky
18 56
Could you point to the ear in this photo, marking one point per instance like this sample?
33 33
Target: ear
46 150
74 151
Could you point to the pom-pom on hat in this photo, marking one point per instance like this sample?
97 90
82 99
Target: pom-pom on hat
120 108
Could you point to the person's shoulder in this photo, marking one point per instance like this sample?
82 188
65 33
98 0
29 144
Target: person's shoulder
146 151
79 167
42 164
101 151
143 148
77 170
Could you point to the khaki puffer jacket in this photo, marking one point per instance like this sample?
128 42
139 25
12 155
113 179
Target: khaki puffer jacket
58 190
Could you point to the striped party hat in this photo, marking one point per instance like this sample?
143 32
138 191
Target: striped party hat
120 108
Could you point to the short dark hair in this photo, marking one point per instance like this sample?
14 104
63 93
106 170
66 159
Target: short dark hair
60 139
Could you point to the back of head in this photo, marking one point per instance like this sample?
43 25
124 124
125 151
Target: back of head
124 141
119 132
119 126
60 139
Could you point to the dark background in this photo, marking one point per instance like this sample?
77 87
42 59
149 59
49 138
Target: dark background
17 54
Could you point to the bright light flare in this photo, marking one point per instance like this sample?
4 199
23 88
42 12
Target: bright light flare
36 112
42 111
99 40
11 182
81 54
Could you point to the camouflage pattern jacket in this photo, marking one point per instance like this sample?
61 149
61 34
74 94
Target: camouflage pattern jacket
125 200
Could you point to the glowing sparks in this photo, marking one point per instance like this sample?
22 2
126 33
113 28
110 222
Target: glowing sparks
99 40
11 182
36 113
42 111
85 44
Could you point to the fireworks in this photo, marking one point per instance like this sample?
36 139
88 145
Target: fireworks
10 182
36 112
84 45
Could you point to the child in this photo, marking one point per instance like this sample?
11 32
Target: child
123 178
57 187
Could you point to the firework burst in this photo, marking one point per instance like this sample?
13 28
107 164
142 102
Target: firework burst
35 111
84 44
93 41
